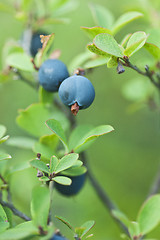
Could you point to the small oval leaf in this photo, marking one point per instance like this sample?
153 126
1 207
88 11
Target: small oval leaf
108 44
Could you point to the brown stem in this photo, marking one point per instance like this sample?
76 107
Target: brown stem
75 109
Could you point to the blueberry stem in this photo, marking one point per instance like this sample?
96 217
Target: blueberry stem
75 109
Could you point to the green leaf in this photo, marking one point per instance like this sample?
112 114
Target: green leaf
78 163
102 16
33 119
93 31
66 162
39 165
75 171
153 50
62 180
87 226
3 226
20 61
4 139
65 221
96 62
85 133
91 47
149 217
46 146
53 164
121 216
21 142
112 62
135 43
125 40
108 44
56 127
79 231
2 130
124 20
21 231
44 179
45 96
134 229
3 216
40 206
9 215
4 156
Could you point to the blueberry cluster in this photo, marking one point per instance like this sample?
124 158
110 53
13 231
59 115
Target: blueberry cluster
76 91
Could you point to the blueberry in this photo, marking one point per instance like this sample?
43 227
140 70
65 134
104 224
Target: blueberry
77 92
57 237
74 188
36 43
51 73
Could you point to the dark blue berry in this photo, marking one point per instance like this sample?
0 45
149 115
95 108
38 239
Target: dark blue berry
74 188
77 90
36 43
51 74
57 237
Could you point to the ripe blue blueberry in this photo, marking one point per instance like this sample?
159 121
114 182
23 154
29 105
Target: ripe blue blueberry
77 92
57 237
74 188
51 74
36 43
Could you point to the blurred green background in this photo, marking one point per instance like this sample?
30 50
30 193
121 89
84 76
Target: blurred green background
124 161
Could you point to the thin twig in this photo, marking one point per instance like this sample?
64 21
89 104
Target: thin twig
51 186
7 188
31 84
14 210
146 73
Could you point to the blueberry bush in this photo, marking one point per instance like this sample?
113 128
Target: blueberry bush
57 143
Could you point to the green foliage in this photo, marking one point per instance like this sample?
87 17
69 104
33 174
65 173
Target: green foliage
136 42
21 61
102 16
148 217
40 206
79 232
21 231
84 135
92 32
66 162
33 118
62 180
46 145
39 165
108 44
124 20
56 127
